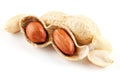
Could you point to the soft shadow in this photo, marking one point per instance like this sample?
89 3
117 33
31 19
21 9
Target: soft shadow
51 52
49 48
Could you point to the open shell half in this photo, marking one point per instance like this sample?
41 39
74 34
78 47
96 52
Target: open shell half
100 58
80 51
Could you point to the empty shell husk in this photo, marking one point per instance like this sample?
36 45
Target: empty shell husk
100 58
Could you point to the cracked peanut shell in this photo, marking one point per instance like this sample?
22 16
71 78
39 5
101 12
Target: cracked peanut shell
80 51
83 28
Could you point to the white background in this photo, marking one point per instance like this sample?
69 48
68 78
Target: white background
21 61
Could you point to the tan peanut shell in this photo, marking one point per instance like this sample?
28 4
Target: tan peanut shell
100 58
12 25
80 52
54 17
101 43
83 28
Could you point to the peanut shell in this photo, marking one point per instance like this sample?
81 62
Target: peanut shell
101 43
54 17
83 28
100 58
12 25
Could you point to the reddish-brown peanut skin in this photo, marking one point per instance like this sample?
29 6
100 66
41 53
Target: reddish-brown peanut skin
36 33
63 41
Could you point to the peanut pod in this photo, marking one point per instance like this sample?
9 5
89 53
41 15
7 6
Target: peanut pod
73 37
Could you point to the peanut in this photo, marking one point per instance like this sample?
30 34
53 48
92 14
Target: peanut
63 41
36 33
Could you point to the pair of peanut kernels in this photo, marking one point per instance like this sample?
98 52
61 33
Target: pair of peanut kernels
83 32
